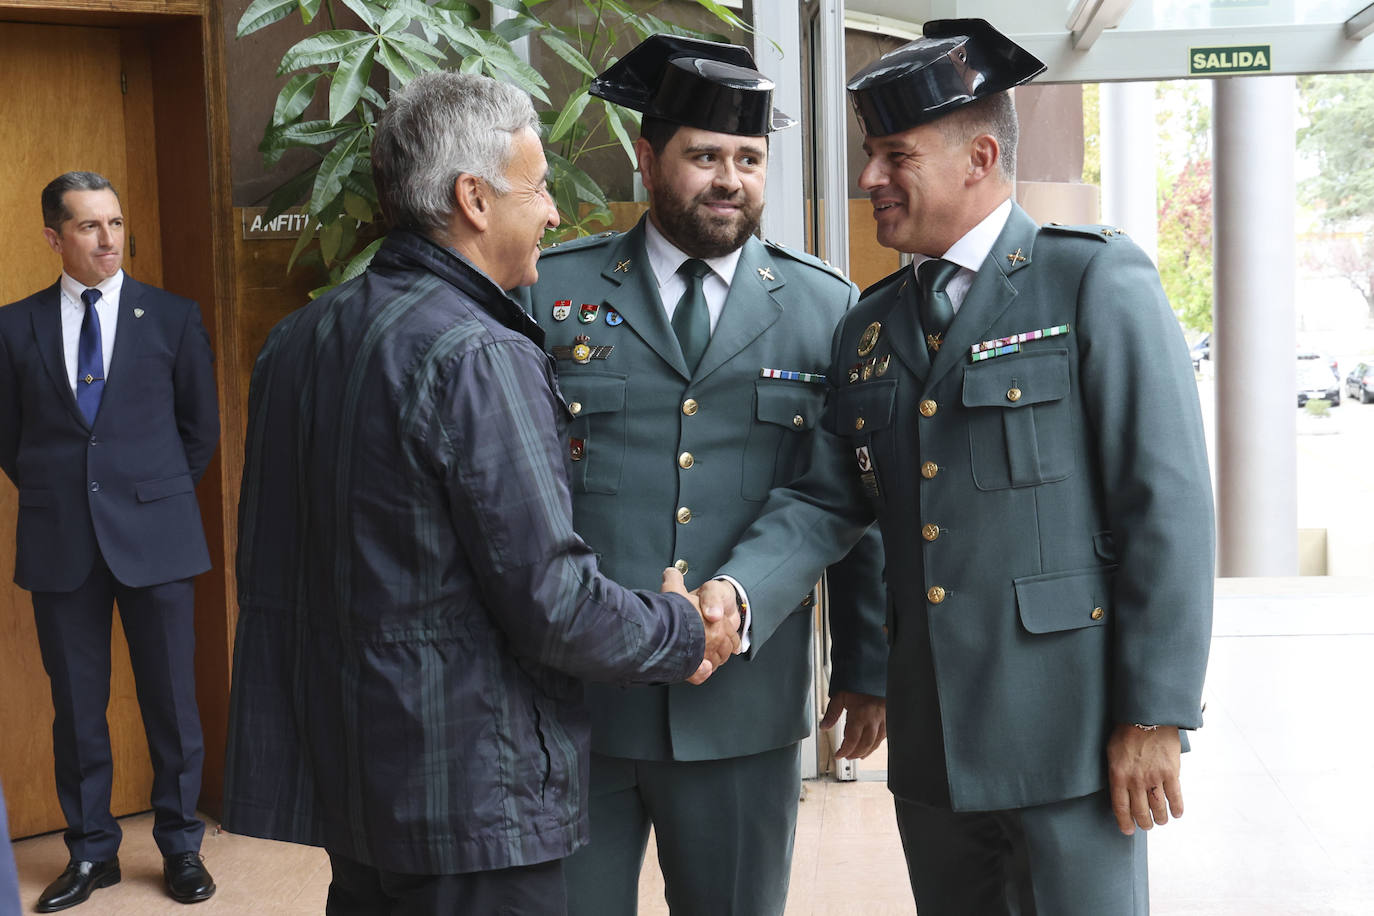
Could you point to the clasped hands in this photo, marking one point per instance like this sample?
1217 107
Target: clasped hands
718 606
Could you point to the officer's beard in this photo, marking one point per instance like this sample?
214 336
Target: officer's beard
689 225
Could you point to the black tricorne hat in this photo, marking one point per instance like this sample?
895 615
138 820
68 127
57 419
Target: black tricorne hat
693 82
955 62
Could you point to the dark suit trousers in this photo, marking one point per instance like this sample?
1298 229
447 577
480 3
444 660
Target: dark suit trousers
1062 859
74 636
724 831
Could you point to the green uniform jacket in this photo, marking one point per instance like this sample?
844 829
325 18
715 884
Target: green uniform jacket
1047 516
670 469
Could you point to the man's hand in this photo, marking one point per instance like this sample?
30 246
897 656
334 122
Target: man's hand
719 595
1142 768
865 726
722 628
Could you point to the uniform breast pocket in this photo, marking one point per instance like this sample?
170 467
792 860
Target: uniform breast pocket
596 433
1019 425
863 414
783 412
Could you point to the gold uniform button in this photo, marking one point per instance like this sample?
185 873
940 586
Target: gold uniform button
689 407
1013 394
684 515
1098 613
935 594
681 566
859 423
930 532
685 460
798 421
928 408
575 408
929 470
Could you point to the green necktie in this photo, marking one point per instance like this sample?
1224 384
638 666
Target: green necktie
936 311
691 320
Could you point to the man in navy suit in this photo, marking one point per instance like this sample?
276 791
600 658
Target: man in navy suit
108 418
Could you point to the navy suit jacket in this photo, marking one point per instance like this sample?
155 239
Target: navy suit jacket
124 484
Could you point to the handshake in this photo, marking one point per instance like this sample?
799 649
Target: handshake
718 606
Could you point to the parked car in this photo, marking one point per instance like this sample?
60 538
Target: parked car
1360 382
1200 351
1316 381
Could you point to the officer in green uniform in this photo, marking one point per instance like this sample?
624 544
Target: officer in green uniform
1018 411
692 357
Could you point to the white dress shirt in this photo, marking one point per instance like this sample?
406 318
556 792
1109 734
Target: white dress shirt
74 312
970 252
665 258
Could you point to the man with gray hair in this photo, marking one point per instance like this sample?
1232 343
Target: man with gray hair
416 612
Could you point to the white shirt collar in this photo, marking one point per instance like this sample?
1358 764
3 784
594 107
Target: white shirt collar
666 258
972 249
109 287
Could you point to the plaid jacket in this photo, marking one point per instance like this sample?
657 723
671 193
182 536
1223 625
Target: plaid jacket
416 611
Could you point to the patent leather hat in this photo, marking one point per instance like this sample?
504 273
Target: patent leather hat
696 83
953 63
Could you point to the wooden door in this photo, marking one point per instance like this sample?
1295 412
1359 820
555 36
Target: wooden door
67 105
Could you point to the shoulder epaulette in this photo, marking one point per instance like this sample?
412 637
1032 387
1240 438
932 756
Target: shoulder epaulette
804 257
579 244
1103 233
885 282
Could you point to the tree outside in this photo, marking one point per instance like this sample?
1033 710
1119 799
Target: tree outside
1339 111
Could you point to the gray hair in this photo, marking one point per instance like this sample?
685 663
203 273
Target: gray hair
995 115
442 125
55 211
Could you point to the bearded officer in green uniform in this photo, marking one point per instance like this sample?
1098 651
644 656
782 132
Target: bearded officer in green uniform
692 358
1018 411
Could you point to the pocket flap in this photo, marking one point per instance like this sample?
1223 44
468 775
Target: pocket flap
594 393
35 499
792 405
1065 600
870 402
1018 381
150 490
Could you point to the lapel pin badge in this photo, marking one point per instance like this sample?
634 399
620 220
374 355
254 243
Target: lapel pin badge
138 313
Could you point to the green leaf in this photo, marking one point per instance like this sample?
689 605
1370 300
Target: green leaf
362 10
349 80
302 133
515 5
361 260
725 14
465 11
516 28
357 207
565 176
330 238
324 48
572 110
295 97
569 54
302 241
262 13
395 63
309 10
618 129
337 163
419 63
290 194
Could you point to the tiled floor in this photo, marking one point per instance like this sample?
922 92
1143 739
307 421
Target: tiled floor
1279 795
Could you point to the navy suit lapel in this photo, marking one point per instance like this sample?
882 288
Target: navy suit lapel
990 295
130 297
750 307
47 333
635 291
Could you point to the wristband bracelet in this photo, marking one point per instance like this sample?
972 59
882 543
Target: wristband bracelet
1146 728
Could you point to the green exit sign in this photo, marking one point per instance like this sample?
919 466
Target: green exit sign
1233 59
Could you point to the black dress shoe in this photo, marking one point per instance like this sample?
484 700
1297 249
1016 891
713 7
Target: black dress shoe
187 879
75 884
